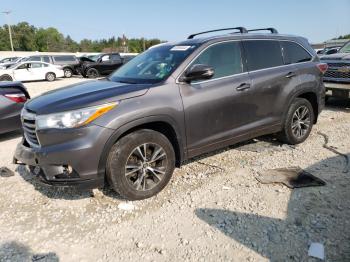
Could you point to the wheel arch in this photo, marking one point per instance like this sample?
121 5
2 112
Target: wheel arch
162 124
308 94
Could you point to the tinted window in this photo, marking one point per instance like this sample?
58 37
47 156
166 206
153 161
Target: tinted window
263 54
34 58
225 58
294 53
64 58
23 66
115 57
46 59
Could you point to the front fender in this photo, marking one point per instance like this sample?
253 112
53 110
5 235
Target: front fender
118 133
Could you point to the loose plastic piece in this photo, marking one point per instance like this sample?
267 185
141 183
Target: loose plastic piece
316 250
292 177
5 172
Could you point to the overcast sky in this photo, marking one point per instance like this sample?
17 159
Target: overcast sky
318 20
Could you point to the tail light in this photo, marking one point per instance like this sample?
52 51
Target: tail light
17 98
322 67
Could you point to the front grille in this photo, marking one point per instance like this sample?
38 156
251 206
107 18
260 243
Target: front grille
29 126
337 74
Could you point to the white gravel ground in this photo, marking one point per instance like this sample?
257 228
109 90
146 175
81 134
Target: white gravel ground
213 209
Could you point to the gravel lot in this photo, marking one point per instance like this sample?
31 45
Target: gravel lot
214 209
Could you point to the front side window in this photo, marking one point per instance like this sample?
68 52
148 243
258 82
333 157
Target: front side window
225 58
294 53
23 66
154 65
262 54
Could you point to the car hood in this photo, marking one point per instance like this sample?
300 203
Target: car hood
337 56
82 95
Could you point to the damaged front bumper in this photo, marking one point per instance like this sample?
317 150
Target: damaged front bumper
73 162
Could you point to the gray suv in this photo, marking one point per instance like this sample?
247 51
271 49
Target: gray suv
171 103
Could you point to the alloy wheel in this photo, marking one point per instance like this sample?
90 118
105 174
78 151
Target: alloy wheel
301 121
146 166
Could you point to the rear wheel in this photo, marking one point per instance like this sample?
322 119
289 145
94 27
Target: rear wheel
92 73
68 72
298 123
50 77
5 78
140 164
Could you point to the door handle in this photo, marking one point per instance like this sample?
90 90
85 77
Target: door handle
290 75
242 87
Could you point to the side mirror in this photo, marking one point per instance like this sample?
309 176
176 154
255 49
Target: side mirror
332 51
198 72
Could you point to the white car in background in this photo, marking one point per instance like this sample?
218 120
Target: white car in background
30 71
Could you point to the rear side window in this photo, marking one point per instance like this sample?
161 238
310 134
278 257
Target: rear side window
294 53
225 58
262 54
64 58
34 58
46 59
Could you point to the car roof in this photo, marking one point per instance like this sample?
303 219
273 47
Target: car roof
237 36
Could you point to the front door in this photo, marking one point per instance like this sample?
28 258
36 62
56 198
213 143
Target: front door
215 108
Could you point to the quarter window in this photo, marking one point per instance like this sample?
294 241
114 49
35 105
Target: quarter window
225 58
294 53
263 54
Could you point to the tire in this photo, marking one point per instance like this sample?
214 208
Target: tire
5 78
68 72
142 181
92 73
50 77
297 126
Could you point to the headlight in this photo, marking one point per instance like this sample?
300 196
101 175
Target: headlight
75 118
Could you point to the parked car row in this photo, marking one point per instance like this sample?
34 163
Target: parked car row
70 64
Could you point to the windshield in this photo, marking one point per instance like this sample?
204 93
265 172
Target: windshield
154 65
345 48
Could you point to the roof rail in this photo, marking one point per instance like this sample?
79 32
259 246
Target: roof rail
271 29
241 30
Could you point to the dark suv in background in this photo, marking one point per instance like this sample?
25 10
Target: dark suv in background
171 103
104 65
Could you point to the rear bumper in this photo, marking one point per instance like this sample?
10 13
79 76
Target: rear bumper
73 163
340 90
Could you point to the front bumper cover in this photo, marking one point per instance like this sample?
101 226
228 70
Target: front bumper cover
70 163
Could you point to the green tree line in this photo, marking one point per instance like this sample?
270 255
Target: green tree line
27 37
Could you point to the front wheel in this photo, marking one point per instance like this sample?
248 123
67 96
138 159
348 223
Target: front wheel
140 164
92 73
50 77
298 123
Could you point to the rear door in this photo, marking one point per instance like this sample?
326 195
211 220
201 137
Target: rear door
272 80
215 108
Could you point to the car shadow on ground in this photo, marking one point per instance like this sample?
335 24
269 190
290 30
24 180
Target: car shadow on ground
338 104
10 135
313 215
14 251
256 145
66 193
